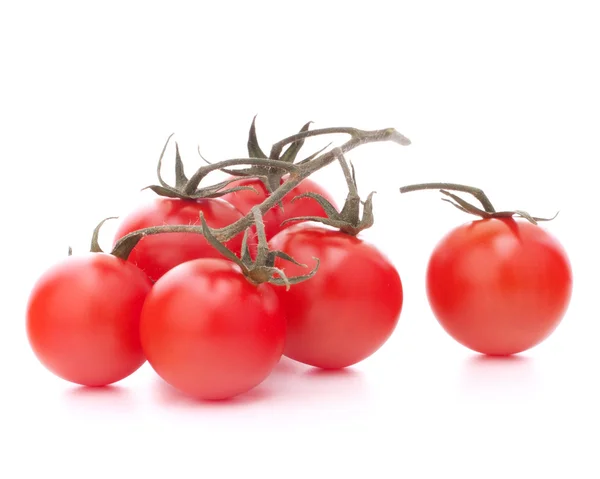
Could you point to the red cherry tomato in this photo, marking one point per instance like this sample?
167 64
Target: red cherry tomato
244 200
350 307
83 319
157 254
209 332
499 286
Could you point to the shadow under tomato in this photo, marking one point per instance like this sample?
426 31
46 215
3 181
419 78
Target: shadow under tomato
481 359
295 381
289 367
97 392
167 395
333 374
289 381
111 396
499 374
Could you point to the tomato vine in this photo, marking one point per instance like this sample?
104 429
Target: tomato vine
270 169
488 210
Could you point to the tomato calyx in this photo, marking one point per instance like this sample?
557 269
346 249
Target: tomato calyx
488 210
95 245
188 188
261 269
349 219
348 222
271 177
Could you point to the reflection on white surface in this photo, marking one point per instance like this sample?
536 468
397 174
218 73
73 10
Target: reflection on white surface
111 398
110 391
302 384
290 382
166 395
499 376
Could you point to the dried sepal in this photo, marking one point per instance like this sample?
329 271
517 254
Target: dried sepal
246 257
469 208
187 188
95 245
289 156
287 257
314 155
324 202
180 178
368 219
160 160
457 206
202 156
353 174
262 249
164 189
269 174
166 192
224 170
349 219
461 204
283 280
220 189
124 246
191 187
477 193
215 243
344 222
214 191
522 214
254 149
262 269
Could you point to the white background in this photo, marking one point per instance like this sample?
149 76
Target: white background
502 95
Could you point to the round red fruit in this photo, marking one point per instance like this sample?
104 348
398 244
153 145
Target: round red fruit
83 319
349 309
210 333
499 286
157 254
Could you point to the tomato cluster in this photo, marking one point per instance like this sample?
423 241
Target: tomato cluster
213 307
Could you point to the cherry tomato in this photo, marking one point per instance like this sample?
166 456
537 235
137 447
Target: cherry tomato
348 310
83 319
209 332
157 254
499 286
244 200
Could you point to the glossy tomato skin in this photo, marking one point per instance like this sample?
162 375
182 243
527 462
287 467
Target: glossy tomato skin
157 254
244 200
83 319
499 286
349 309
210 333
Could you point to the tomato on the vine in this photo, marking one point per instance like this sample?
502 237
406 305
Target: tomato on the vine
157 254
83 319
210 333
244 200
499 286
349 309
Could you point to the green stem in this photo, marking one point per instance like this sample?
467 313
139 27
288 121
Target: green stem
360 137
476 192
125 245
195 180
297 174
